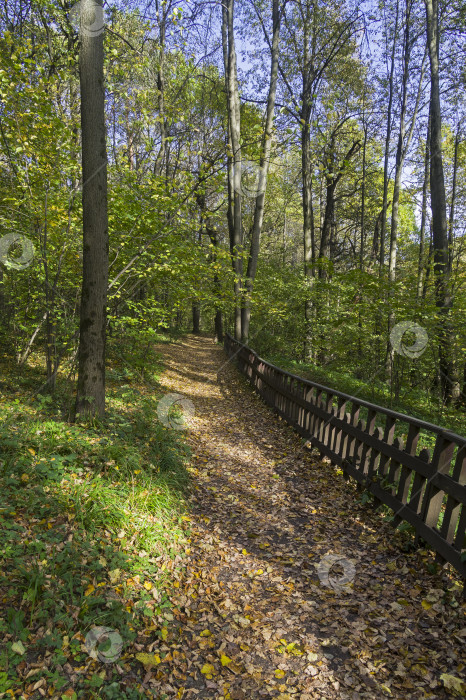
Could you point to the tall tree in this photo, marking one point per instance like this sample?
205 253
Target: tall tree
235 220
90 398
263 170
439 205
316 36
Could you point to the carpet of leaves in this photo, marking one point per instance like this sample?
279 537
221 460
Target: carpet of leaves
251 617
238 611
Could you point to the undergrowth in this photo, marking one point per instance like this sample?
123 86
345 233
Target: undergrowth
91 526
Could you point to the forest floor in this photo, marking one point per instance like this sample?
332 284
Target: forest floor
139 560
254 616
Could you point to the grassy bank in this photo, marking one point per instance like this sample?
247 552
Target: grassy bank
412 401
91 530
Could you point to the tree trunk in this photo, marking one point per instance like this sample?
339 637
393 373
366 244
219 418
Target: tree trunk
263 172
383 226
161 156
327 226
438 206
196 317
90 398
234 130
363 199
451 219
400 151
308 233
422 232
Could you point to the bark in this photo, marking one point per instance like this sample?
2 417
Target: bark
90 398
403 143
363 200
422 232
383 226
234 131
332 179
263 173
161 156
218 326
402 146
438 206
196 316
306 168
451 219
456 379
212 233
376 237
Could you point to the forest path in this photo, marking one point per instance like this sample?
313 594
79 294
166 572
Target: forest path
252 618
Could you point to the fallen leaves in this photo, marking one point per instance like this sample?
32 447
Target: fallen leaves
148 660
265 513
454 684
18 648
249 617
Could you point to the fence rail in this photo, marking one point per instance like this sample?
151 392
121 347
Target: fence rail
380 448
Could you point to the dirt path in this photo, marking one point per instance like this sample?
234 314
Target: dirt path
253 619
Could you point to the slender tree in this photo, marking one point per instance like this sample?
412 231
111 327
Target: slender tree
90 398
263 171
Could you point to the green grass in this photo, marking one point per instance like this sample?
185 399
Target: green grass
413 401
91 520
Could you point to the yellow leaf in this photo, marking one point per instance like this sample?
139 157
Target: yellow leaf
31 451
208 670
426 605
453 683
114 575
225 660
164 633
89 589
147 585
279 673
205 633
148 660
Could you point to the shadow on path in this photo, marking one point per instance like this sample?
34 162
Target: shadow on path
253 619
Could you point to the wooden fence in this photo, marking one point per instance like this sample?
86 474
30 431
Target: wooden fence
379 448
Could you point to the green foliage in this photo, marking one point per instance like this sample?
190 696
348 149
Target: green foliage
85 510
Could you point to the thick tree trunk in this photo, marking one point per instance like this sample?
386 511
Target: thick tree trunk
438 206
90 398
234 131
